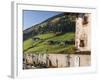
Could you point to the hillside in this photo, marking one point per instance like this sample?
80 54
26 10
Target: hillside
64 22
54 35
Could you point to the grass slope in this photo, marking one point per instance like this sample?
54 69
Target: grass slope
44 47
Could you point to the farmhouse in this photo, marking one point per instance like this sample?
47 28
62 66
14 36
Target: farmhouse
83 33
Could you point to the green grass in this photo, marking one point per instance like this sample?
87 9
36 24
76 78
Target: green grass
52 49
66 49
43 47
64 37
45 36
27 44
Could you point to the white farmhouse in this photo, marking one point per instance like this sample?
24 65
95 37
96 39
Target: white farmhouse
83 32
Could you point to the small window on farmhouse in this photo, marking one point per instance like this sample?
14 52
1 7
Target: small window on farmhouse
82 44
85 20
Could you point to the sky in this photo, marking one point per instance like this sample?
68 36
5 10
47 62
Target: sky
31 17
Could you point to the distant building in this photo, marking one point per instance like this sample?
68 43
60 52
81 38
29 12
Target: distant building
83 32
